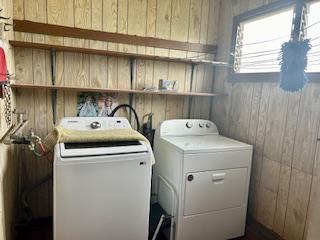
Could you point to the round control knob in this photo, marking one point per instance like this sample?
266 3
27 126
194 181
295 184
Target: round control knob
95 125
190 177
201 125
189 124
208 125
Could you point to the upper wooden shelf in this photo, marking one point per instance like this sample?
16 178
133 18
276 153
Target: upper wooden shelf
23 44
64 31
84 89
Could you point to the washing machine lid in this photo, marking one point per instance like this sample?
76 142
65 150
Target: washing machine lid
206 143
69 150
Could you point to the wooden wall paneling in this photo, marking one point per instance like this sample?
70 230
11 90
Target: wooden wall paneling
98 71
220 112
138 26
212 36
151 19
40 126
110 20
240 111
276 124
214 7
268 190
179 31
23 58
151 22
124 83
281 127
123 64
254 114
110 24
258 148
208 87
282 199
137 22
96 15
149 68
158 101
28 174
139 83
98 76
60 12
286 161
163 30
35 10
297 205
123 23
82 14
18 9
174 105
308 121
312 230
163 24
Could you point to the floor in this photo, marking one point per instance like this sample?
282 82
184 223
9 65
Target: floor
42 229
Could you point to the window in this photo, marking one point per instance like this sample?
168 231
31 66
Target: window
259 34
313 33
259 42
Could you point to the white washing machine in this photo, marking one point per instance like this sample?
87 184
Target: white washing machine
209 175
102 189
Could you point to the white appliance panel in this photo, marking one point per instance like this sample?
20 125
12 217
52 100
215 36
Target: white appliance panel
202 211
187 127
214 190
219 225
102 200
101 190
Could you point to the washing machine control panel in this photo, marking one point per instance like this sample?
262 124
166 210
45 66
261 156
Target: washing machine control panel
95 123
177 127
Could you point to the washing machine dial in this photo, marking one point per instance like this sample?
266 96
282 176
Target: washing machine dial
95 125
189 124
208 125
201 125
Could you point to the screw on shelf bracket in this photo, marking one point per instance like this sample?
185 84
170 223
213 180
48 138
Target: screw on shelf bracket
53 81
190 98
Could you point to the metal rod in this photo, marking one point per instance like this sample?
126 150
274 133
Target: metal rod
53 81
132 76
191 86
297 21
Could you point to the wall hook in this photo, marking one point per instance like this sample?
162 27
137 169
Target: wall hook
7 27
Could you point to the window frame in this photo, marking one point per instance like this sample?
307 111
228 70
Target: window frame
255 13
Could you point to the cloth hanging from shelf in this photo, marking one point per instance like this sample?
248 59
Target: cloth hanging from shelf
3 66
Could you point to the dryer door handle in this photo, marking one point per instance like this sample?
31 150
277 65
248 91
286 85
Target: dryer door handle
218 177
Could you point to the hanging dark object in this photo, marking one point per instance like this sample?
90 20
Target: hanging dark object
294 61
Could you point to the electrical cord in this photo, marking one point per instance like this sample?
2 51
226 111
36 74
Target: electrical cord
133 110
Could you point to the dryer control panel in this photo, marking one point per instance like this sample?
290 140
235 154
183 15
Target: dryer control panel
181 127
95 123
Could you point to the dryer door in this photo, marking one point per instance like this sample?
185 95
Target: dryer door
214 190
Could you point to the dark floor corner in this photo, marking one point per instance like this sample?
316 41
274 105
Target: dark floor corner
41 229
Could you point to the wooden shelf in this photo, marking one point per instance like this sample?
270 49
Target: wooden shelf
112 53
64 31
84 89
